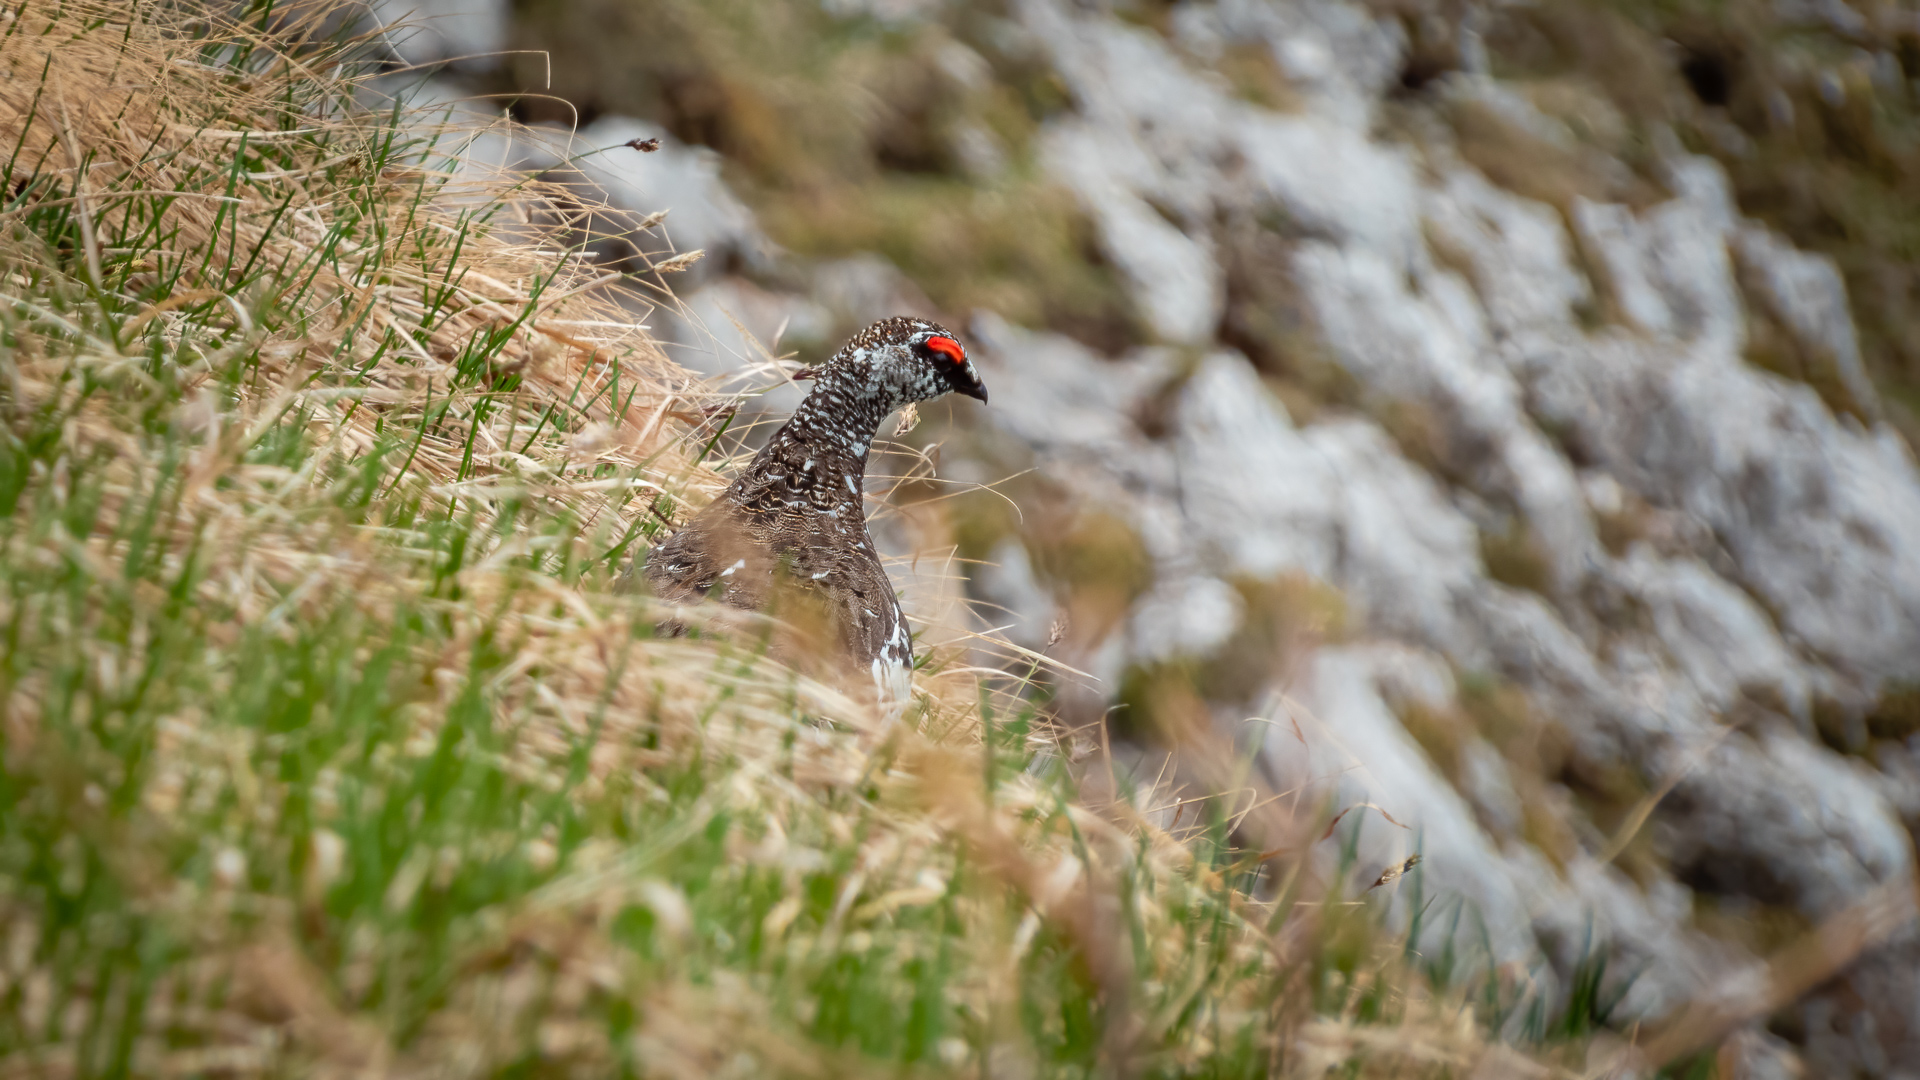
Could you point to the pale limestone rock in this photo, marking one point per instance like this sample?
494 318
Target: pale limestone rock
1516 252
1405 555
1171 275
1061 398
1814 514
1156 137
624 184
893 12
1337 55
1758 505
1332 180
732 331
1408 347
1488 784
1185 616
1646 928
1782 821
471 35
866 288
1357 749
1617 253
1755 1054
1805 293
1255 493
682 180
1667 270
1014 598
1722 643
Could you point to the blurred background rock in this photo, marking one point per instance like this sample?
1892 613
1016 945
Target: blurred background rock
1510 406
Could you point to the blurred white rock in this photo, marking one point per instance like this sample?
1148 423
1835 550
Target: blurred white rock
1805 293
468 35
733 332
865 288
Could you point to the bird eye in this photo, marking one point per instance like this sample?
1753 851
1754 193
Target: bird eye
948 348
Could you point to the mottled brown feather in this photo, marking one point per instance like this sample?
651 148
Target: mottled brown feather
797 512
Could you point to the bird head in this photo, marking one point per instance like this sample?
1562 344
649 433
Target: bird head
903 360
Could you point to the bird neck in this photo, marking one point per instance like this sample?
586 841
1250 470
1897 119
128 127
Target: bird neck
836 423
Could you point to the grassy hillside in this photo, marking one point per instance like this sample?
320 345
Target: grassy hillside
330 749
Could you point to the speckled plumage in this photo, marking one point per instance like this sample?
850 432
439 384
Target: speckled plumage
800 504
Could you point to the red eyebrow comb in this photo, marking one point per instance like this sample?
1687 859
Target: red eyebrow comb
949 348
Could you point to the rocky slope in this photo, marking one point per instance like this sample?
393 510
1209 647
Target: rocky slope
1467 489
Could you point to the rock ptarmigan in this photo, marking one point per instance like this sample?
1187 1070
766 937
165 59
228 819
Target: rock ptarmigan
798 509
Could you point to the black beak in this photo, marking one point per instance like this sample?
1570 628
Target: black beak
962 380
